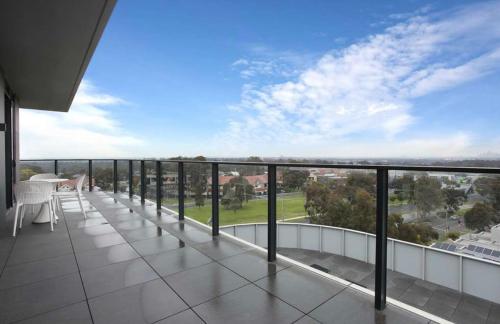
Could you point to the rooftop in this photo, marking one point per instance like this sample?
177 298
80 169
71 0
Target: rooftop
126 263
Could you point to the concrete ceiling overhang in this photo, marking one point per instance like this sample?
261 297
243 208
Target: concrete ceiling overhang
46 46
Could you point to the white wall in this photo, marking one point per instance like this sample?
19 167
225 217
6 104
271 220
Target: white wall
466 274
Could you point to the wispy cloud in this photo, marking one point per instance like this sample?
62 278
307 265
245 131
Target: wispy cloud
369 87
87 130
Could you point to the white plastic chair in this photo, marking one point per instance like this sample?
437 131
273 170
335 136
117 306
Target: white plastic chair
77 193
42 176
32 193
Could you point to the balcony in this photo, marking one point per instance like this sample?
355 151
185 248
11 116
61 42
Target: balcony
140 258
128 264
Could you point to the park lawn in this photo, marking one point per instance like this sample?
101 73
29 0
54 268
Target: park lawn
255 211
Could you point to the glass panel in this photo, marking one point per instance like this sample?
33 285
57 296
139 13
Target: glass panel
102 172
456 214
71 169
197 202
136 178
122 175
150 167
170 190
27 169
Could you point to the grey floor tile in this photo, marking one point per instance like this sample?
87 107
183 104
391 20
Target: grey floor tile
29 300
133 225
247 305
87 222
200 284
300 288
252 265
91 231
73 314
351 306
144 303
218 249
185 317
182 226
104 256
30 272
41 238
177 260
194 236
22 254
98 241
494 315
116 276
144 233
416 295
471 310
157 245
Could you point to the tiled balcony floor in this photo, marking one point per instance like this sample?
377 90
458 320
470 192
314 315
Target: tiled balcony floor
438 300
125 264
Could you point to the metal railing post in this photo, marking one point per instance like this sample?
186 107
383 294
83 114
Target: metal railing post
91 185
215 199
115 176
381 238
159 185
56 171
271 213
180 180
130 178
143 182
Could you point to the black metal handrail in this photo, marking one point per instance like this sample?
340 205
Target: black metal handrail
381 202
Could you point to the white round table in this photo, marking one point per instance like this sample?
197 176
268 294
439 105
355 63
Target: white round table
43 215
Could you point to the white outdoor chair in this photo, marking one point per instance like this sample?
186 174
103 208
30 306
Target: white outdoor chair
32 193
42 176
77 193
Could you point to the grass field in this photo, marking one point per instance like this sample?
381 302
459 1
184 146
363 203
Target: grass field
252 212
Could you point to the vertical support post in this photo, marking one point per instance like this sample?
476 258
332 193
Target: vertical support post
143 182
381 238
180 180
271 213
56 171
215 199
91 185
115 176
159 185
130 179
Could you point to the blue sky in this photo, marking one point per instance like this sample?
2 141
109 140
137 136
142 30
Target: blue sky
284 78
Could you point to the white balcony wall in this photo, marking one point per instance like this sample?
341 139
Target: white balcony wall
466 274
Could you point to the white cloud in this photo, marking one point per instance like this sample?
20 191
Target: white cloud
86 131
369 87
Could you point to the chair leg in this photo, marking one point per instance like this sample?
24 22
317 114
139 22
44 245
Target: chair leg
81 206
51 215
21 216
18 206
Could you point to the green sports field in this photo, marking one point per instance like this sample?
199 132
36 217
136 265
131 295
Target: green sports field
255 211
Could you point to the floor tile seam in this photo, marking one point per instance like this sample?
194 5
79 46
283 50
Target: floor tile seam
8 256
46 312
110 264
39 260
326 301
277 297
182 311
40 281
79 271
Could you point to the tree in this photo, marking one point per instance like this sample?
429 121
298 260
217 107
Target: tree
404 187
479 216
198 180
428 195
103 178
235 192
453 199
489 187
410 232
28 171
294 179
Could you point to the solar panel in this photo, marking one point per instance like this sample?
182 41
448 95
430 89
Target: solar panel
445 246
471 247
452 248
496 254
487 251
479 249
437 245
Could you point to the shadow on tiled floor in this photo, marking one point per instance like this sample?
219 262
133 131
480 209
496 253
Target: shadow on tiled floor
126 264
